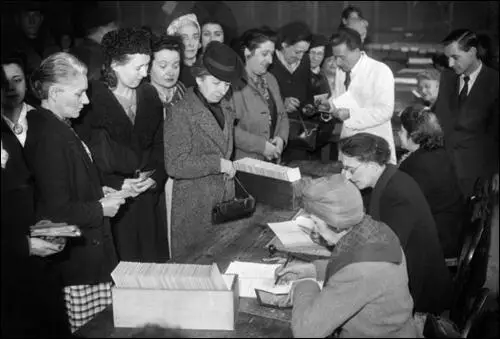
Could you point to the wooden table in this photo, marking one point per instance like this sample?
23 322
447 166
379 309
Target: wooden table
243 240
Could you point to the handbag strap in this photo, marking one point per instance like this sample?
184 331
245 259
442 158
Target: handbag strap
239 182
302 121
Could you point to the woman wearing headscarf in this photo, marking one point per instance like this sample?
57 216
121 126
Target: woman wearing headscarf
397 200
68 187
123 126
262 128
199 138
365 291
188 28
428 163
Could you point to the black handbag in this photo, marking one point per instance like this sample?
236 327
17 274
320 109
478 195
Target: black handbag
302 133
234 209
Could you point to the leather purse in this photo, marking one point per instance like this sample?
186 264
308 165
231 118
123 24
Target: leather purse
234 209
302 134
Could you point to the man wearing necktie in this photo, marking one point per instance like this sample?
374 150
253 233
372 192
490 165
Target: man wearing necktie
467 107
364 98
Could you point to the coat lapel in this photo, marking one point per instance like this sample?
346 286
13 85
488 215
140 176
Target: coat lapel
206 121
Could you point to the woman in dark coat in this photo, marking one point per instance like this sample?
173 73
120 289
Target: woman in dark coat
198 146
68 188
31 296
123 126
397 201
428 163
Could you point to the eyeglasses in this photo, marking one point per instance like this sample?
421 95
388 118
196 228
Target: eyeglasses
351 170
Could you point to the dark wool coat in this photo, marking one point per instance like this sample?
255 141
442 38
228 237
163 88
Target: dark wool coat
434 173
194 145
31 295
403 207
471 132
253 115
138 233
68 189
296 84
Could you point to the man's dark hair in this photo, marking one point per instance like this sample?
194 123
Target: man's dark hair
346 13
366 147
466 39
347 36
293 32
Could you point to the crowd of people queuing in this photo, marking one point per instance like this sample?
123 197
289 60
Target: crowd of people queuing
81 122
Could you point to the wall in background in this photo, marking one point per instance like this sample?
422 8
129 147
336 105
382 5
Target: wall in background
427 21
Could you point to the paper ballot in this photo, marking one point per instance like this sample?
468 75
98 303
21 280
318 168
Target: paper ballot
345 100
256 275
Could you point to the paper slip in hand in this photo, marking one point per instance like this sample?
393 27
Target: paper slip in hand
50 229
346 100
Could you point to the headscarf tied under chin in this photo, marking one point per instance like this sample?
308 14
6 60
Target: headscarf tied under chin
176 24
335 200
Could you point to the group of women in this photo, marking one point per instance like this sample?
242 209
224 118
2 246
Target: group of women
98 154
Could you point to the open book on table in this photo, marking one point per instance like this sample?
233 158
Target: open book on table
294 236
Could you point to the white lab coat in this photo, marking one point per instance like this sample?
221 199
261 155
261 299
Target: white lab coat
370 100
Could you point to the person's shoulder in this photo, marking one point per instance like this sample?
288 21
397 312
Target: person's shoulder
402 186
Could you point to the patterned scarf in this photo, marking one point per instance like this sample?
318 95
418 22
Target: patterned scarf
368 241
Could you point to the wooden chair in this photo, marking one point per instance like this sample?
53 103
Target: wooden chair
472 263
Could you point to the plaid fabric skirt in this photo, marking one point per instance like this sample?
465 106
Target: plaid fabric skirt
83 302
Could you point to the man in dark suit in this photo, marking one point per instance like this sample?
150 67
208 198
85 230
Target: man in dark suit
467 108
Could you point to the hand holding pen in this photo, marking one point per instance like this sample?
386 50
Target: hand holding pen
293 271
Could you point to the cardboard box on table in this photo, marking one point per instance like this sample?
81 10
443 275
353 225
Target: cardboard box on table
184 309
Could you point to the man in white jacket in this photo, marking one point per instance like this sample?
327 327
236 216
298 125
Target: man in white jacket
365 87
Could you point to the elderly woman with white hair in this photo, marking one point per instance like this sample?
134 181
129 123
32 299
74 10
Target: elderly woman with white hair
365 292
188 28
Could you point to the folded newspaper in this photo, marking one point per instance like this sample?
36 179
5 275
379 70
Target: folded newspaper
47 228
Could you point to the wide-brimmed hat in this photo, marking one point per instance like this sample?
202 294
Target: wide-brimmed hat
222 62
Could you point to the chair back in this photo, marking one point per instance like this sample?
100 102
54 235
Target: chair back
472 263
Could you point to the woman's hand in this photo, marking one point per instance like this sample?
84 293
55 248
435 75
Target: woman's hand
294 271
279 143
43 248
226 167
111 205
291 104
322 230
271 151
136 186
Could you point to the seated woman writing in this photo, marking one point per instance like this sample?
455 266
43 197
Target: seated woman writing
365 291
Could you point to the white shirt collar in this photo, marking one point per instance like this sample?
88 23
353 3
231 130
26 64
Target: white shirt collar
357 65
473 75
316 70
23 121
290 67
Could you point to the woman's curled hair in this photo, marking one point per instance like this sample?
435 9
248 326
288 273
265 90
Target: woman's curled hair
422 126
366 147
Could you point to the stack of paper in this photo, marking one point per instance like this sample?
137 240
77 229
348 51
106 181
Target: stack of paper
168 276
47 228
267 169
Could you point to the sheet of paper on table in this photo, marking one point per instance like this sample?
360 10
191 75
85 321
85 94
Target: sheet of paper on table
253 275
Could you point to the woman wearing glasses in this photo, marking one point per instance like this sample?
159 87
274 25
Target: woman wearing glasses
397 200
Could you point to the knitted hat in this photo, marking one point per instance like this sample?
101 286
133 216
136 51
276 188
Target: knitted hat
335 200
123 41
223 63
175 25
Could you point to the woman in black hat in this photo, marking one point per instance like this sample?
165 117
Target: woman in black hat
198 138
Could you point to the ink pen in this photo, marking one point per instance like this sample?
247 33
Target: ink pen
286 263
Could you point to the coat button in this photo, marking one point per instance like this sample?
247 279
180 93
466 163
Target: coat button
95 242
